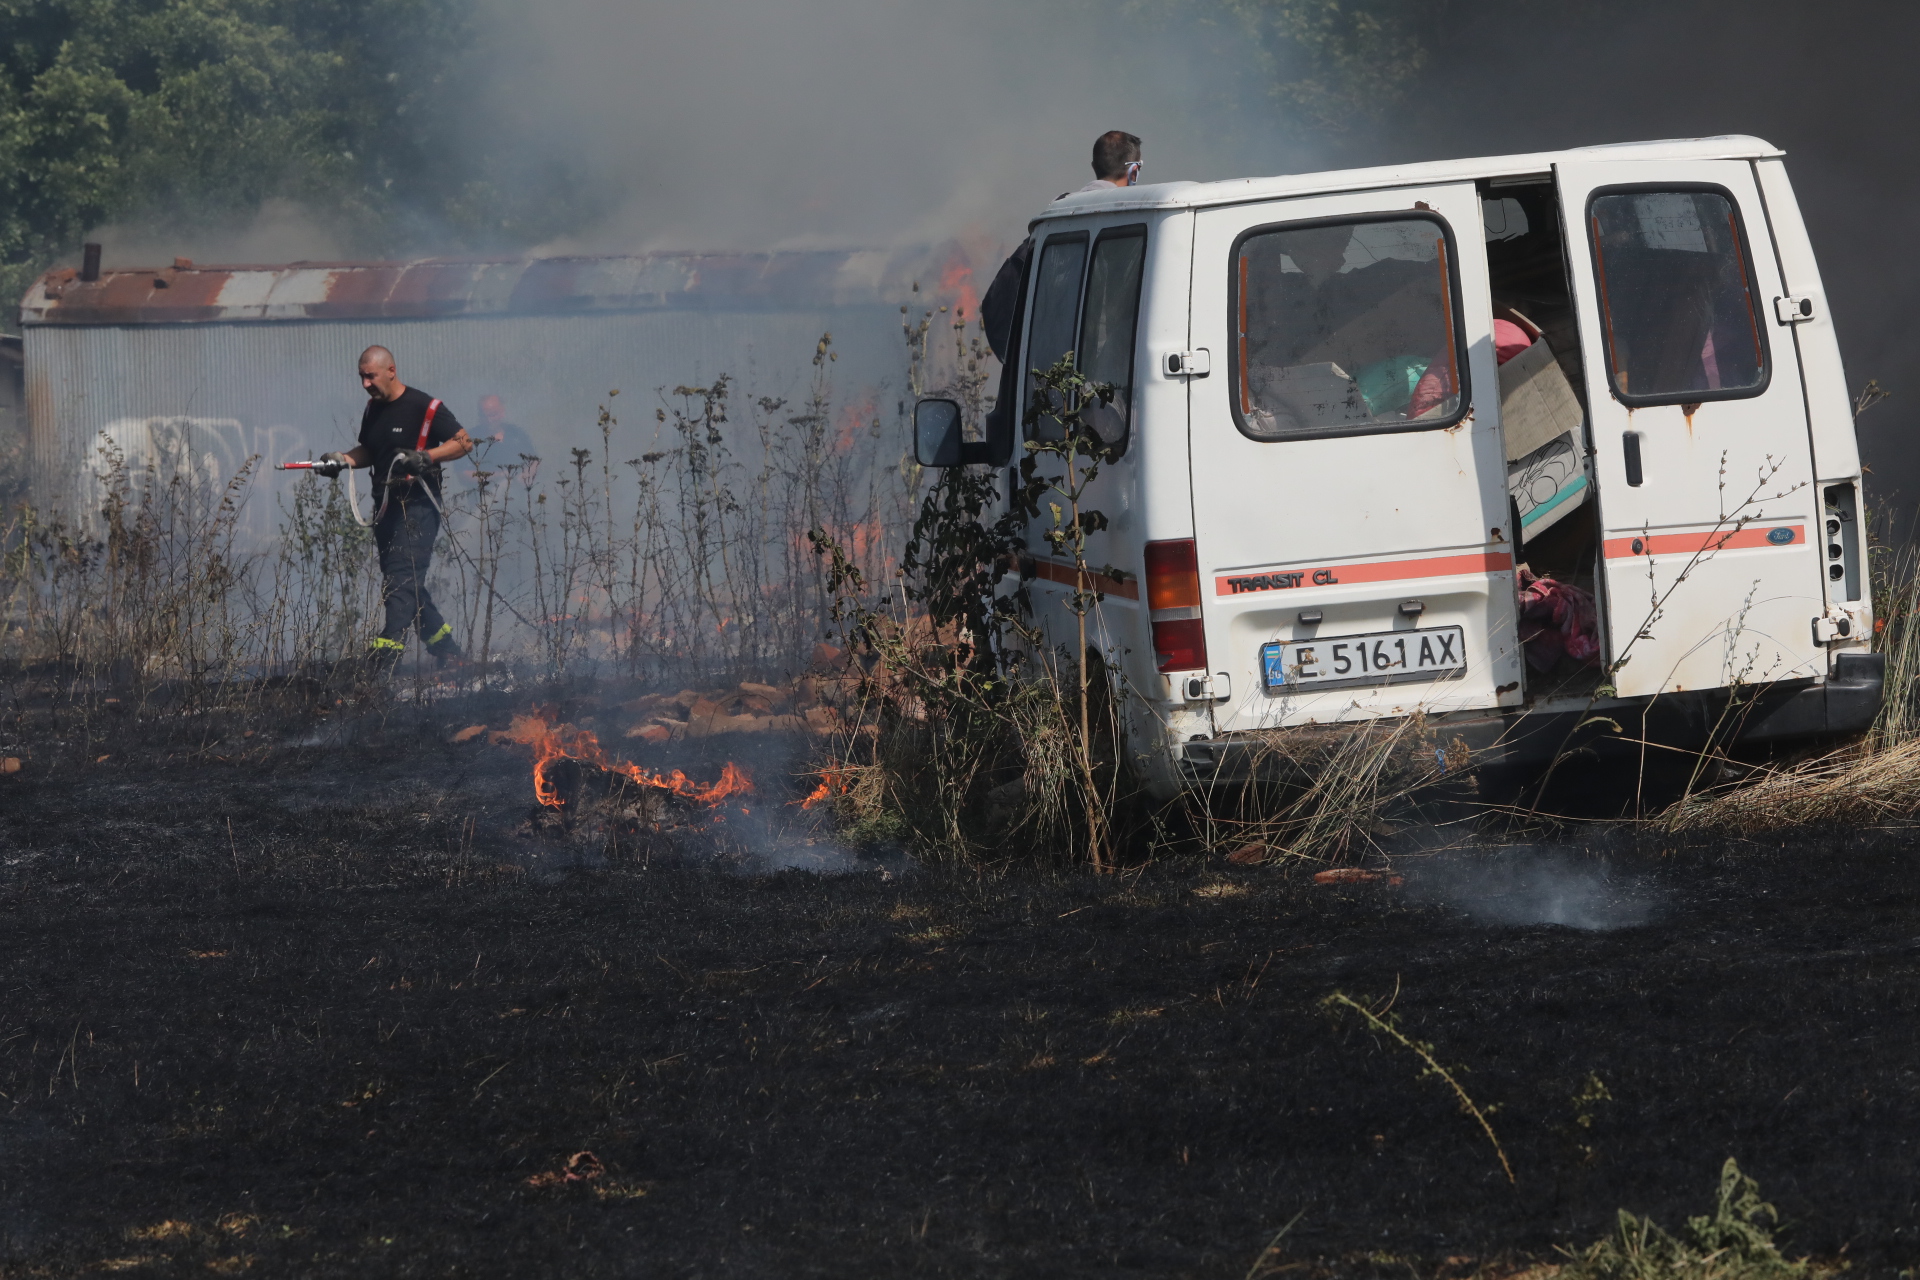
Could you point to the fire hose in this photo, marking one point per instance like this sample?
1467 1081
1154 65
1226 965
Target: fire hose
353 500
353 493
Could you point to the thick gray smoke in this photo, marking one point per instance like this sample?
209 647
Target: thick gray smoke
768 124
757 124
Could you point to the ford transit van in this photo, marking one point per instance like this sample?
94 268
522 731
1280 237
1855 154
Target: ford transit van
1523 445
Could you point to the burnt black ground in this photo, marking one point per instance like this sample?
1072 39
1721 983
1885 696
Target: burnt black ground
341 1039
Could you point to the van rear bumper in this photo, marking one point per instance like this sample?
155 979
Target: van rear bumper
1785 712
1846 703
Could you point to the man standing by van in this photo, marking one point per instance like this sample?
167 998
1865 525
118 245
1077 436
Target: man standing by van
405 434
1116 163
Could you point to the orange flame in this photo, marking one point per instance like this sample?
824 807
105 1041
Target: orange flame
957 282
554 742
833 782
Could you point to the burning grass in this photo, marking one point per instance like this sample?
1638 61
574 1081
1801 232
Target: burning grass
553 741
322 985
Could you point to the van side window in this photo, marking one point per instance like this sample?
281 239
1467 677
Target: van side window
1107 327
1344 327
1056 305
1676 297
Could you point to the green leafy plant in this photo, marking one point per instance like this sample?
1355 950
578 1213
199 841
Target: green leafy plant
1734 1242
1058 428
190 110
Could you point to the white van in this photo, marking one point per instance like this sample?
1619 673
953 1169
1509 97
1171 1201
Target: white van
1358 414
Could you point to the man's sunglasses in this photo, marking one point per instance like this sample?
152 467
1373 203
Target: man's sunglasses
1133 172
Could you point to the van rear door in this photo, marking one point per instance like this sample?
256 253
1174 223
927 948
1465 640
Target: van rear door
1699 427
1349 498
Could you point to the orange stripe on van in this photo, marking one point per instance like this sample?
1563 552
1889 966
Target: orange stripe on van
1067 576
1685 544
1239 584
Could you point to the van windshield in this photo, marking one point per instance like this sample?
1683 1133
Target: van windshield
1344 326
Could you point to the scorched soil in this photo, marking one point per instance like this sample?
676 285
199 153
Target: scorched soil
339 1011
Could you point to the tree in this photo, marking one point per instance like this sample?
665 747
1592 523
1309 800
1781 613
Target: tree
182 109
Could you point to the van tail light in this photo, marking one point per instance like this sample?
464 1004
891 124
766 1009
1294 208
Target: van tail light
1173 605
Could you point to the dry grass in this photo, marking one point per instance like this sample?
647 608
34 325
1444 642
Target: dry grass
1381 1022
688 563
1322 794
1876 779
1858 785
1896 597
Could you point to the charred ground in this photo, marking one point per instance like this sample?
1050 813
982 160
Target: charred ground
332 1010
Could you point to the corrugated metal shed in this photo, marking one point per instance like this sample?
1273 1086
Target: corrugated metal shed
436 288
219 363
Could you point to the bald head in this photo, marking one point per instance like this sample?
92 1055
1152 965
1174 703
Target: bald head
378 376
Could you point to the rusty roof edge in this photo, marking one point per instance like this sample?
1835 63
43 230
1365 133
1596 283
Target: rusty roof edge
425 288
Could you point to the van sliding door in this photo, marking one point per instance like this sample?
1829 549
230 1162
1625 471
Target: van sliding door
1699 428
1349 483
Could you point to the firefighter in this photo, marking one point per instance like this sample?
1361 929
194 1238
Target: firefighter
405 435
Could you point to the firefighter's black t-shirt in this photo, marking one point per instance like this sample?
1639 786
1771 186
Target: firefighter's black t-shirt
390 426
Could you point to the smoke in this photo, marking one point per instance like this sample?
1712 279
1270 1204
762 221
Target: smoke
1535 886
278 231
1827 83
756 124
762 124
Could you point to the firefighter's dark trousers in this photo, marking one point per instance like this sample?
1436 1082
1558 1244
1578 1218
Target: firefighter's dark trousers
405 537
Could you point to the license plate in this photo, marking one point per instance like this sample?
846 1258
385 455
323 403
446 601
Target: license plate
1385 657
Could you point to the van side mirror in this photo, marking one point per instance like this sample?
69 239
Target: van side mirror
937 439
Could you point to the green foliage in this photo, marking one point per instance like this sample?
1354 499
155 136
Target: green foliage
1734 1242
179 109
1057 428
954 557
976 728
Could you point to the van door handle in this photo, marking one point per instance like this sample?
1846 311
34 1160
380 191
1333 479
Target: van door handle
1792 310
1630 452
